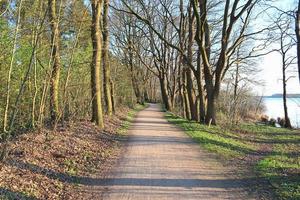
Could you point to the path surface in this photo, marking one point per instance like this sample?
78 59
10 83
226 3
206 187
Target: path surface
161 162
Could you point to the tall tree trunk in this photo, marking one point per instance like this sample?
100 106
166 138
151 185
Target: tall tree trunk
235 92
201 97
185 95
298 36
106 63
191 94
210 117
8 85
54 81
97 115
112 92
181 90
164 92
189 78
137 91
287 123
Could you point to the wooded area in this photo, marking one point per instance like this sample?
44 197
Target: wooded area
193 53
64 61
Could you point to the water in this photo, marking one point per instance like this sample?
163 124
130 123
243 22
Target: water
274 109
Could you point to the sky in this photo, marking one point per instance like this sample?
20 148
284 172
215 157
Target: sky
271 68
272 75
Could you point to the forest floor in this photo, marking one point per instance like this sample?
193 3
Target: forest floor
59 165
271 154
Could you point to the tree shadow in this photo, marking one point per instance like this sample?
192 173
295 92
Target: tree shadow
243 139
151 182
7 194
162 182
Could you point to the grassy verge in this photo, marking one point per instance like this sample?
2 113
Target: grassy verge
274 152
130 117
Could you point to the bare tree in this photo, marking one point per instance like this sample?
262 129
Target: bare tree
214 73
297 25
286 43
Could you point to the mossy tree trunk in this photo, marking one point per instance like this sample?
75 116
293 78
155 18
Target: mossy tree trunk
97 115
106 63
56 63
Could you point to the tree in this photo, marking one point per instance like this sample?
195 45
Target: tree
56 66
96 33
214 72
286 43
297 25
8 85
106 64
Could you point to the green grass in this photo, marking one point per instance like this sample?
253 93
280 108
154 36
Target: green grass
214 138
280 162
130 117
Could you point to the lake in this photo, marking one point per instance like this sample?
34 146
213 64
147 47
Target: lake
274 109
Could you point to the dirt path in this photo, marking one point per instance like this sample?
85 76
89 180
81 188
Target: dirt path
161 162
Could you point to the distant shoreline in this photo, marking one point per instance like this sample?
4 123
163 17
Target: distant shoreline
280 96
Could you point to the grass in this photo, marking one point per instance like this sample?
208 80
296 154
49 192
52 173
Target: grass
129 119
278 150
214 138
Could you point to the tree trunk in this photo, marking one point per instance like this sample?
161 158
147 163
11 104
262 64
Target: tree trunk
286 116
298 36
181 91
189 78
235 92
164 93
191 95
106 63
112 87
211 106
8 85
54 81
185 95
97 116
200 89
136 89
287 123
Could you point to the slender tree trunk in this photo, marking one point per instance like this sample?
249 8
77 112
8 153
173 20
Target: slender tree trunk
185 95
33 109
35 40
298 36
106 63
200 89
97 115
112 91
55 42
191 95
189 78
181 92
285 108
235 91
8 85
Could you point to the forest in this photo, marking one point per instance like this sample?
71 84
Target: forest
79 76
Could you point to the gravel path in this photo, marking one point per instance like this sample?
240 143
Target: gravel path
161 162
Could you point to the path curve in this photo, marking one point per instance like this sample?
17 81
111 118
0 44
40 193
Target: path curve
161 162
